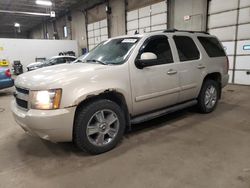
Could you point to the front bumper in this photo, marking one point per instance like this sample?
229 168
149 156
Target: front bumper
52 125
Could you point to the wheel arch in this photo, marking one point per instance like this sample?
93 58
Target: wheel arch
109 94
216 76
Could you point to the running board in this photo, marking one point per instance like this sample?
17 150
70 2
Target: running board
149 116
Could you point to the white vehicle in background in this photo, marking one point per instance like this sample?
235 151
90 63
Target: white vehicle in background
56 60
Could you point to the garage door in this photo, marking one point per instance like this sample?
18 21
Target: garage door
230 22
146 19
97 32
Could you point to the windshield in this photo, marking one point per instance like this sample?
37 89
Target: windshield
114 51
49 61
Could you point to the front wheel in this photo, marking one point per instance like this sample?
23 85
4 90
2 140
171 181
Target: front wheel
99 126
208 97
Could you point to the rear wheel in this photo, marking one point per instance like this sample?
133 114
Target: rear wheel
209 96
99 126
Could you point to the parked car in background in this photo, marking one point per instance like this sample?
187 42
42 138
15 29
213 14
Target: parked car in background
124 80
5 78
56 60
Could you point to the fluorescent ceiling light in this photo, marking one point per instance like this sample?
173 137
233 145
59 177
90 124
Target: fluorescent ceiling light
17 24
42 2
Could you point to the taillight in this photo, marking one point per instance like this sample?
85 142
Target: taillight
227 65
7 73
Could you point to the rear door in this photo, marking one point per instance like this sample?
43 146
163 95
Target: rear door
191 67
156 86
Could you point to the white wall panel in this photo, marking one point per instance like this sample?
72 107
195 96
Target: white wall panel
104 31
159 19
158 27
131 32
144 22
224 33
242 62
230 76
244 31
104 37
241 77
103 23
132 25
220 5
132 15
145 11
146 19
244 15
159 8
229 47
90 27
90 34
244 3
146 29
97 32
91 41
242 47
231 62
222 19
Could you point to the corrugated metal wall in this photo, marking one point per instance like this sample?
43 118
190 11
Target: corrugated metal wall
230 22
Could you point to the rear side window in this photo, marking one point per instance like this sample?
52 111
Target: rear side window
186 48
212 46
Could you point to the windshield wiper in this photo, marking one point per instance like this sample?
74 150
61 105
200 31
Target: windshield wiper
96 61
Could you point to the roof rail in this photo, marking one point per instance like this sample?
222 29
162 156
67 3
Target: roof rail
176 30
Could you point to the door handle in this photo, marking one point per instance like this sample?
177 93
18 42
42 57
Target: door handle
171 72
201 66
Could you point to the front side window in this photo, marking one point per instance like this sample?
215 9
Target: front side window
186 48
160 47
112 51
212 46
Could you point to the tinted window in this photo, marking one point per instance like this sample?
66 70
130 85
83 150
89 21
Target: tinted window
60 60
212 46
70 59
160 47
186 47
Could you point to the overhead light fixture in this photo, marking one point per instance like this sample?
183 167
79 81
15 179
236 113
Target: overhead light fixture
17 24
44 3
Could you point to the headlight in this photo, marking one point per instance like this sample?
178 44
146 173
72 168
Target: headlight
46 100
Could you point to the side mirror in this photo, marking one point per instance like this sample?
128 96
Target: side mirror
147 59
148 56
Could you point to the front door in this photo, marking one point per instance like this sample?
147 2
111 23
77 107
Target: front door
155 86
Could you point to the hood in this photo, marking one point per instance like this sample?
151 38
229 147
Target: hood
35 64
58 76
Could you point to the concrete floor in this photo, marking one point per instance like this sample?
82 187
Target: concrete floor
184 149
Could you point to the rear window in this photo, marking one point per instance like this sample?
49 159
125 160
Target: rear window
212 46
186 47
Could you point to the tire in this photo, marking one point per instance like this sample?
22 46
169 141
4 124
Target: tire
93 121
203 98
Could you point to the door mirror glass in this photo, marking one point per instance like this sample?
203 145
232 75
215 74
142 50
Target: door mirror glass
148 56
